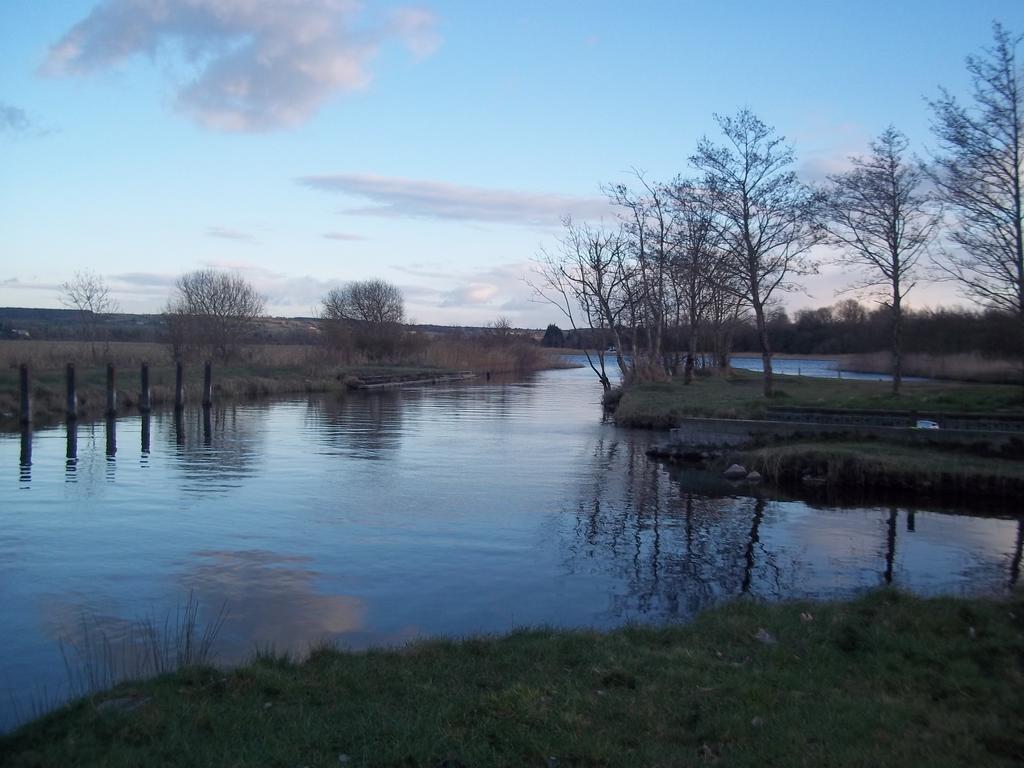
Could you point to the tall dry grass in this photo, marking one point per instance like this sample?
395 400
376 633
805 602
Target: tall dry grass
99 653
482 357
54 355
959 367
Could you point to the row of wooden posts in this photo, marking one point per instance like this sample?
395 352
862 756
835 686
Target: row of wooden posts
145 402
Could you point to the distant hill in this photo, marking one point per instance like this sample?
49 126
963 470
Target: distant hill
64 324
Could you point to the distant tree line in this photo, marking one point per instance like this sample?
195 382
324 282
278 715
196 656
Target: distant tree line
847 327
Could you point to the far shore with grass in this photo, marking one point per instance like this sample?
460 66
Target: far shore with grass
256 371
886 679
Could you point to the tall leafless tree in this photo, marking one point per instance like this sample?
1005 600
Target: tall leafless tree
647 223
978 175
89 295
766 215
585 280
696 261
212 312
882 222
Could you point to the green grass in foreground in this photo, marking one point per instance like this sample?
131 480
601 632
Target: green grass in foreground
660 405
884 680
867 464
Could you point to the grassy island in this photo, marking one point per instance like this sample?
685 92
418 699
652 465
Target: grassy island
843 462
886 679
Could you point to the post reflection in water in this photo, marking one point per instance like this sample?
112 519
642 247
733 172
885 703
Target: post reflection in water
890 548
111 438
25 455
71 452
207 426
145 437
111 446
179 427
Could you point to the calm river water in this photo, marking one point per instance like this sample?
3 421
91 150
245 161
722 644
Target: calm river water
377 518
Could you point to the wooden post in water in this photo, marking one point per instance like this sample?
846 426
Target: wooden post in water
26 395
207 385
111 391
179 387
72 404
144 403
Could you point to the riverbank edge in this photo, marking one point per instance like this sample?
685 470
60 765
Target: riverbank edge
885 678
230 386
840 464
867 470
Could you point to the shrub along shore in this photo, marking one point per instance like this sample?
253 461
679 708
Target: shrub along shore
886 679
257 371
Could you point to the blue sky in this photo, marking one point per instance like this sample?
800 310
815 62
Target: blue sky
310 142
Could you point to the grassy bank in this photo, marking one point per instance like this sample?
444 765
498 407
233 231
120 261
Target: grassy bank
258 370
660 405
884 680
868 467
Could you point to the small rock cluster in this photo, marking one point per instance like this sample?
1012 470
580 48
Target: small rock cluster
737 472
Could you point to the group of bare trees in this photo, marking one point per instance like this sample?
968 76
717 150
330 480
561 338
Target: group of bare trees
690 256
686 259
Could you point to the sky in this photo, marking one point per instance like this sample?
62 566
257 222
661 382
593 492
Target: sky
307 143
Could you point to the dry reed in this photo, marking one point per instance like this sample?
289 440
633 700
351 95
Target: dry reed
958 367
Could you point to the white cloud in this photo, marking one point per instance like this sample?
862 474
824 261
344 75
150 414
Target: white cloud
473 294
342 236
260 64
226 233
396 197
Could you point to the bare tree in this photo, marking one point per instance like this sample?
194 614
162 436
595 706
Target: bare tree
212 312
877 215
978 175
366 314
647 224
500 331
89 294
696 263
584 279
765 215
367 301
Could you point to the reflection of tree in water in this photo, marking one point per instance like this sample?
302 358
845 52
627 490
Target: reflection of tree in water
215 448
673 543
359 426
675 552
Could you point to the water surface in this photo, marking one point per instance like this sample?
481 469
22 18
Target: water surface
376 518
